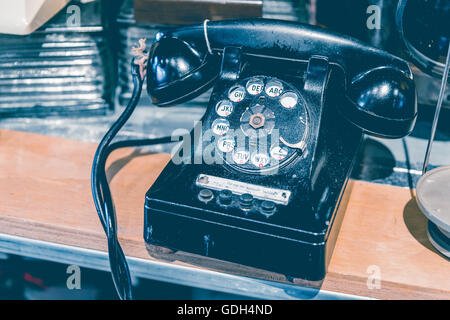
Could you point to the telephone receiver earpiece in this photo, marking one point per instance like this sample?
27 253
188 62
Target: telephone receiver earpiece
178 72
382 103
184 62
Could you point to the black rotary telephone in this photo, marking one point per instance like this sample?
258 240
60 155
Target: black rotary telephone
262 179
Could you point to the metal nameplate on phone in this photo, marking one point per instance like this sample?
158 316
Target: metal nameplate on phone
263 193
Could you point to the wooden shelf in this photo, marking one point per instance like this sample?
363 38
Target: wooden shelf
46 196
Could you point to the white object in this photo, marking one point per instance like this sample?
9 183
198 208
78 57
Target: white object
432 199
432 192
21 17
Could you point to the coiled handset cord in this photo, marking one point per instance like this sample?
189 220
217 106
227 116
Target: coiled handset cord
100 188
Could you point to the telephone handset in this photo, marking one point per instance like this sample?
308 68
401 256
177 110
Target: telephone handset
262 180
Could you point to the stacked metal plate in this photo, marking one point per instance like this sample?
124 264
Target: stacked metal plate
291 10
130 32
65 67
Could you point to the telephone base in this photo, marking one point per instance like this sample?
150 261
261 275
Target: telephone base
173 236
249 209
170 256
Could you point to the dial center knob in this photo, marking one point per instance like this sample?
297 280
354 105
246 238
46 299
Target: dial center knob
257 120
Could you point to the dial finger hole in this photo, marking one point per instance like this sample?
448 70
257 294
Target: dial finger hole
260 160
274 88
241 156
289 100
236 94
220 126
226 144
224 108
278 153
255 86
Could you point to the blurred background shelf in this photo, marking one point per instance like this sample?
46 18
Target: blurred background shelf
64 68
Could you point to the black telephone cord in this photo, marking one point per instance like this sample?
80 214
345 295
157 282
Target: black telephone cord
102 193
